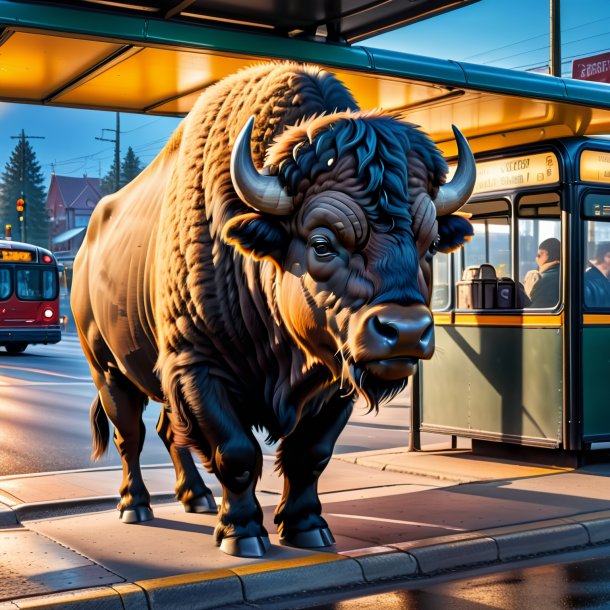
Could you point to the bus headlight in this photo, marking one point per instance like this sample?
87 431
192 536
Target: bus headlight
48 313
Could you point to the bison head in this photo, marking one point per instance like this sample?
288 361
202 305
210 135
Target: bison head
350 207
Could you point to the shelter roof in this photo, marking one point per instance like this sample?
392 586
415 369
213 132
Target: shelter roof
158 57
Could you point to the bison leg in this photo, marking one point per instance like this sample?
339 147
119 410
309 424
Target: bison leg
230 451
190 488
303 456
123 403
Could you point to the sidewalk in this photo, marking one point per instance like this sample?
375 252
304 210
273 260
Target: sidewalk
394 514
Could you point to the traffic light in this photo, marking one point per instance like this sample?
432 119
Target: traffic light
8 231
20 205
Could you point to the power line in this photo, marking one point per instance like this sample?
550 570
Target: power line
543 35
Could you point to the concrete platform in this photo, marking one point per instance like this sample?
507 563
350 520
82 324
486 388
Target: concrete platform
394 514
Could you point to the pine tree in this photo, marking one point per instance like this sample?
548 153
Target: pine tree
107 183
130 168
22 177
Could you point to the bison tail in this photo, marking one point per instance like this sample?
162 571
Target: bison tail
100 431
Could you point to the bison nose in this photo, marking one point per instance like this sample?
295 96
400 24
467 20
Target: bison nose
393 331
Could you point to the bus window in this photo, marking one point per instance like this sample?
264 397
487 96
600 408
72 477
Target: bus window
596 259
485 261
5 284
539 227
440 282
491 241
36 284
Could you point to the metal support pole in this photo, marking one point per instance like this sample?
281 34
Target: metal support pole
555 38
414 436
117 153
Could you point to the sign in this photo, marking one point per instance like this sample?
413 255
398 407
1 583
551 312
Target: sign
596 68
595 166
596 206
15 255
515 172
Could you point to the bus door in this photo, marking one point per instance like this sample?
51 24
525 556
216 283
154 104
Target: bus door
497 373
594 200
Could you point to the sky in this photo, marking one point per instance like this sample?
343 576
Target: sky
506 33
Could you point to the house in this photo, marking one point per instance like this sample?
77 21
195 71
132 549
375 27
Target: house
70 203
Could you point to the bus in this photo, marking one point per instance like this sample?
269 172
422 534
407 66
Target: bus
29 296
523 372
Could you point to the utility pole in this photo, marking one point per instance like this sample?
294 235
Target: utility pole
117 149
555 38
23 138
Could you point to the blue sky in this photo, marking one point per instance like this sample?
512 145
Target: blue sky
507 33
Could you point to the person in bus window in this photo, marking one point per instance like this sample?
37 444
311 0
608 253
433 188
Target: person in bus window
597 282
545 292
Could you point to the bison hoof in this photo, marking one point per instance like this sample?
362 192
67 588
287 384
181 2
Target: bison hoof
251 546
203 504
136 514
309 540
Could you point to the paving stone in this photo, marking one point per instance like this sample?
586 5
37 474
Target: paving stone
598 528
132 596
385 566
203 590
452 555
536 541
102 598
31 564
305 574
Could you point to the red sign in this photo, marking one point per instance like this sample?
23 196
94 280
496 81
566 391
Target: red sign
595 68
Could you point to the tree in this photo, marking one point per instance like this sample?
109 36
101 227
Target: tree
22 177
130 168
107 183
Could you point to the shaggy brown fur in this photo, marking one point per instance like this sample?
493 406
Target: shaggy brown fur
233 319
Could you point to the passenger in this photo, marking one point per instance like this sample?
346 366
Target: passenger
545 292
597 282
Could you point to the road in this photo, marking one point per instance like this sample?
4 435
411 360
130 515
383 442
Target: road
45 394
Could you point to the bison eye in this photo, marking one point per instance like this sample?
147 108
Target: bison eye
322 246
433 249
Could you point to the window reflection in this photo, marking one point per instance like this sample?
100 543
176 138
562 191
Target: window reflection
596 282
5 284
36 284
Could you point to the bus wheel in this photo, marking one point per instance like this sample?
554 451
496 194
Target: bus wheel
16 348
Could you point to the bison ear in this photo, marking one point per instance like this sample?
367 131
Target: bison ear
257 236
454 231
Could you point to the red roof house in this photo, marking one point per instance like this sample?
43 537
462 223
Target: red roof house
70 203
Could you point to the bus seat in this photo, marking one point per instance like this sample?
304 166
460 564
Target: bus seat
478 287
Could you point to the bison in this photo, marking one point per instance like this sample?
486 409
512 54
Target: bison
269 266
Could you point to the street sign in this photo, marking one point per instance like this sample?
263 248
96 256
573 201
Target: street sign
596 68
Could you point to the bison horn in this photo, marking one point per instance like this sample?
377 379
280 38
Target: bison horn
453 195
263 193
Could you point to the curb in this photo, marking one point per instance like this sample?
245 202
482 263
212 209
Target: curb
325 571
60 508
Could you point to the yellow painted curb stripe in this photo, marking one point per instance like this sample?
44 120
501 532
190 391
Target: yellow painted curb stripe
255 568
183 579
595 318
286 564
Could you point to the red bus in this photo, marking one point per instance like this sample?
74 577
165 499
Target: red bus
29 296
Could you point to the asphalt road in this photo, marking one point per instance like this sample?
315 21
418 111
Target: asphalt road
45 394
